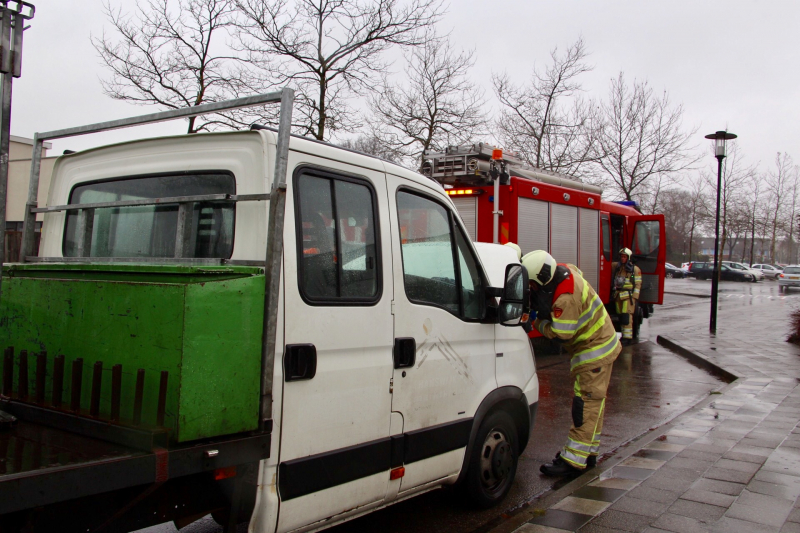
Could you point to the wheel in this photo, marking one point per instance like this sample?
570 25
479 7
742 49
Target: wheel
493 463
670 275
637 321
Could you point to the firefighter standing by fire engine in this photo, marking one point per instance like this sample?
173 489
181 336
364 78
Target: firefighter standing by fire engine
627 279
567 308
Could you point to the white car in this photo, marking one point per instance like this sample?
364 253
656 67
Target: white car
757 274
769 271
790 277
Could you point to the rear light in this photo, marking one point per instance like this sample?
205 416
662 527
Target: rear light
781 275
224 473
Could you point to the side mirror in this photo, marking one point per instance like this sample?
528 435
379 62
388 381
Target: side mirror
515 300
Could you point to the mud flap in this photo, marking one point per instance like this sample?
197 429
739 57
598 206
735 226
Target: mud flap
577 411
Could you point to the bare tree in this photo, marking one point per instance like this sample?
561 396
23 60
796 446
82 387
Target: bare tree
735 175
170 53
328 50
437 106
778 183
369 144
697 208
642 137
753 202
546 120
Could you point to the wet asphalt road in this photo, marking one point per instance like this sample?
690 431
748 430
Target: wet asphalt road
649 387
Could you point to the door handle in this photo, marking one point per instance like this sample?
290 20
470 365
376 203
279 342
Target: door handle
405 350
299 362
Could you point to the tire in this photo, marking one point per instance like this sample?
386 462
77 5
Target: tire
669 275
637 321
493 464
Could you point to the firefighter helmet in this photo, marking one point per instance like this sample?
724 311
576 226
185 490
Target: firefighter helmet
516 249
540 265
625 251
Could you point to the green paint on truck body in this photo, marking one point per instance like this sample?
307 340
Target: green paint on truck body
201 324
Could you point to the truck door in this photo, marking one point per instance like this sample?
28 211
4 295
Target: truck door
445 361
648 244
334 449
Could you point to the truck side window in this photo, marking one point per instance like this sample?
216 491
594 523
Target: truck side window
471 287
438 266
336 233
150 230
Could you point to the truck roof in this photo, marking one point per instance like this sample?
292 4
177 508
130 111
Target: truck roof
297 143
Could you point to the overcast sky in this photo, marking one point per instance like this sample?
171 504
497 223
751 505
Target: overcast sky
732 64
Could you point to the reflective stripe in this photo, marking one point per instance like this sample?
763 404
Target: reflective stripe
595 448
594 354
588 333
624 294
575 459
577 386
636 293
577 446
542 324
562 326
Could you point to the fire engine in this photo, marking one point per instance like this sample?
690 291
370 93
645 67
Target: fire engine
501 199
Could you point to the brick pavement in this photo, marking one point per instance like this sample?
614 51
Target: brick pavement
732 464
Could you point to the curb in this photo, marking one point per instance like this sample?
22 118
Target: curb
693 294
696 358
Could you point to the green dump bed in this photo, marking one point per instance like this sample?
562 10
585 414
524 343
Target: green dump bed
202 325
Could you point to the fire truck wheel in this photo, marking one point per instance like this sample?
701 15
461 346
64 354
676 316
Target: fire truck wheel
493 464
638 318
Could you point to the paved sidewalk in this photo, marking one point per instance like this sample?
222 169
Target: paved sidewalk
731 464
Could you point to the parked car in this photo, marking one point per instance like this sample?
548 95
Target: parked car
685 266
675 272
756 274
769 271
706 271
790 277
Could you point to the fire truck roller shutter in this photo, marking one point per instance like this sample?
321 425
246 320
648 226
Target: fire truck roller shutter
564 233
467 208
589 246
533 228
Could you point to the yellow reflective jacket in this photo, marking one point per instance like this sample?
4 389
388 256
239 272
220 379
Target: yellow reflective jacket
579 318
632 285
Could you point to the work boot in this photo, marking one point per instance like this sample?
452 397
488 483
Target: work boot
558 468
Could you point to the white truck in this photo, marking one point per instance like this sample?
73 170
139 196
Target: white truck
385 368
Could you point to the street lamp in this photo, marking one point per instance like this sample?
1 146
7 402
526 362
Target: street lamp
719 152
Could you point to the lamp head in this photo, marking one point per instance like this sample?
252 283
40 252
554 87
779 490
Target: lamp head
720 138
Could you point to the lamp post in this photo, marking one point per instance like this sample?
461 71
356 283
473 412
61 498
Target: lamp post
719 152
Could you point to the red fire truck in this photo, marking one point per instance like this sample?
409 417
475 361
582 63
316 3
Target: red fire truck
500 199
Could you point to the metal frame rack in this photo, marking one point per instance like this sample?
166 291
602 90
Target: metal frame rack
142 459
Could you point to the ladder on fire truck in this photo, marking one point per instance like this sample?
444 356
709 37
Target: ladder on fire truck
481 164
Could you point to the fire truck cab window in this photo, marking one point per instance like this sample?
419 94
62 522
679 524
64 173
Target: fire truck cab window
606 239
617 234
646 241
430 244
336 240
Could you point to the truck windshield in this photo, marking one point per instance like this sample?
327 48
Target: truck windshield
151 230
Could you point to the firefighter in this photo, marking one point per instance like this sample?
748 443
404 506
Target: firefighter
627 284
568 309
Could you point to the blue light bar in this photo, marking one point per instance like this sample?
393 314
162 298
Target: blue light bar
629 203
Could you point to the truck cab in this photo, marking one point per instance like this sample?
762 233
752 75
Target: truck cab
397 365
